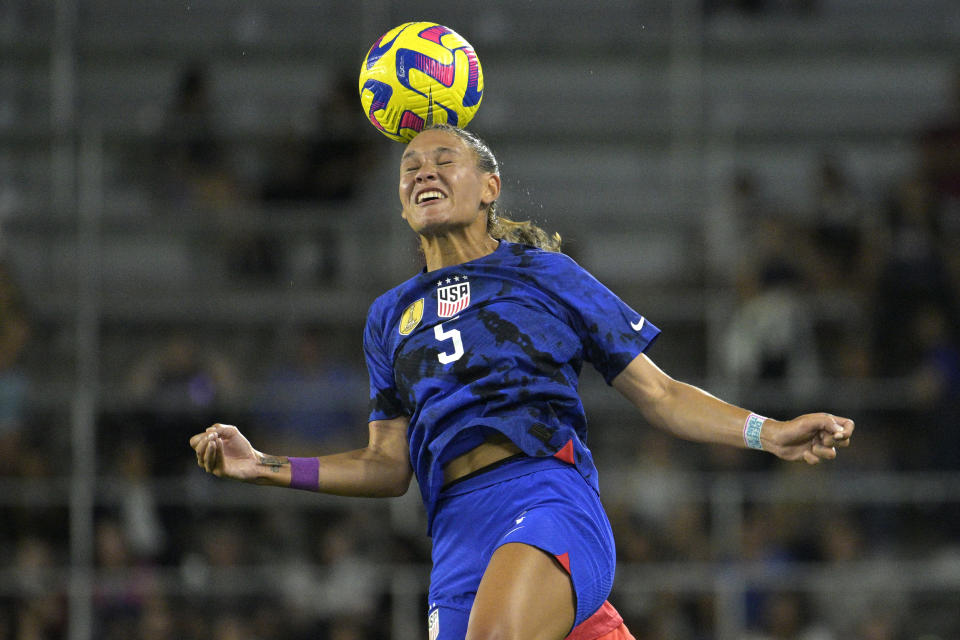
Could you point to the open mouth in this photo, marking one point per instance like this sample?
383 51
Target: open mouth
429 196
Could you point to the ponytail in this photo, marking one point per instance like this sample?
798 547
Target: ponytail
525 232
498 226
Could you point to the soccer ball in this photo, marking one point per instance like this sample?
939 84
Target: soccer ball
416 74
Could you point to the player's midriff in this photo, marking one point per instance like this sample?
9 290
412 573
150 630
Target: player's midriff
496 448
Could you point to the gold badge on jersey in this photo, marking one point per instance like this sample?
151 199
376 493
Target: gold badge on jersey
411 317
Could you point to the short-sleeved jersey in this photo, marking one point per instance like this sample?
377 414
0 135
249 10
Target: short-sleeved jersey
496 345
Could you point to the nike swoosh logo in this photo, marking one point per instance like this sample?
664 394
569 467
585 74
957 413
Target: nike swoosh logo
636 326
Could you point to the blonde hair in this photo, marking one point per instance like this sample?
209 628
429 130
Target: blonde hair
501 227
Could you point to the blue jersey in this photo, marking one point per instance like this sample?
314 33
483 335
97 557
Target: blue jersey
496 345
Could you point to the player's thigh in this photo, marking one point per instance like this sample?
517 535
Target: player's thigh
524 594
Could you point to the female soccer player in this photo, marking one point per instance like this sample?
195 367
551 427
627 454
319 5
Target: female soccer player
473 369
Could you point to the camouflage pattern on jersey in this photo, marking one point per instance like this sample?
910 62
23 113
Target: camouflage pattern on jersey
496 345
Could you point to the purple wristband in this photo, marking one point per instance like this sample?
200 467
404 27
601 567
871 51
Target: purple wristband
304 473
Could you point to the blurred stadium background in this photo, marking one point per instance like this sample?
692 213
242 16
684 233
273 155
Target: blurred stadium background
194 216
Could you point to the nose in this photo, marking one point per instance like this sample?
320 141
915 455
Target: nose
427 171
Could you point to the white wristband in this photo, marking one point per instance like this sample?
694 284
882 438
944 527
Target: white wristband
751 431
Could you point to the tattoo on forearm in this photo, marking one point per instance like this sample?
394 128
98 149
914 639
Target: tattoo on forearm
274 462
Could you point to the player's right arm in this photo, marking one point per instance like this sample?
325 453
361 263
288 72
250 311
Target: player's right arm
381 469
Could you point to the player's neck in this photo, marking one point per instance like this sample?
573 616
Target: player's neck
456 248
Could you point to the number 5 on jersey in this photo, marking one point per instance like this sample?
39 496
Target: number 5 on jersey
452 334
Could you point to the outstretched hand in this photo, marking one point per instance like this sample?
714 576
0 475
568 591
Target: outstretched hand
223 451
812 437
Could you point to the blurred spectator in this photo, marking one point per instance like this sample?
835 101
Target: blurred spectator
198 177
327 163
343 582
41 613
139 513
14 381
687 534
666 618
867 612
348 628
786 616
939 143
313 397
765 542
179 387
936 390
634 536
231 627
660 480
191 153
350 582
322 166
879 625
839 542
119 601
209 551
770 338
224 544
912 274
158 621
841 539
730 222
843 228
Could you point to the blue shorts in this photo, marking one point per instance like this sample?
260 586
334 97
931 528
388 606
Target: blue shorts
542 502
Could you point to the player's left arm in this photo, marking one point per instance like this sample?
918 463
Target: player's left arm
693 414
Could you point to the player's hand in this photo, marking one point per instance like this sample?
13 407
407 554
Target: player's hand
811 438
223 451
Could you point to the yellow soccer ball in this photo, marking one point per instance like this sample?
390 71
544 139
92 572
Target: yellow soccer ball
416 74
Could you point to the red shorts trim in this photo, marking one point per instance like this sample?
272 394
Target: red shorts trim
604 624
620 633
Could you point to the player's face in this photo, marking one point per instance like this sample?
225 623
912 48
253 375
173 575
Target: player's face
441 187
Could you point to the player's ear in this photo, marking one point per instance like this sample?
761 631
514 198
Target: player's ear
491 189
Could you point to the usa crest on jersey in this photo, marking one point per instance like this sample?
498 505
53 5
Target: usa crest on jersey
453 296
